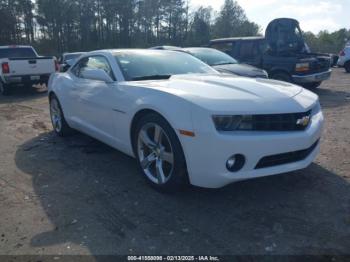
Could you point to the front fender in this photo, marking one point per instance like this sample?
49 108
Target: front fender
176 110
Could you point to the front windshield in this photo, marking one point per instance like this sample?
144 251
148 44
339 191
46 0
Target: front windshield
158 64
212 57
290 39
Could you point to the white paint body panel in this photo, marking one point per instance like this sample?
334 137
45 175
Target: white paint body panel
188 102
23 67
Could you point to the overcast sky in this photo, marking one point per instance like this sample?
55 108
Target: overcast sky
313 15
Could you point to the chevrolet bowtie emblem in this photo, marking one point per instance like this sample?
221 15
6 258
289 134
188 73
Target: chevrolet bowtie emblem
303 121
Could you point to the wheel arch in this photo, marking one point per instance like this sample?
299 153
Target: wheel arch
136 118
177 112
51 94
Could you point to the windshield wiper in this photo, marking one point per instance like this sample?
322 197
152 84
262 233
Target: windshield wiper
151 77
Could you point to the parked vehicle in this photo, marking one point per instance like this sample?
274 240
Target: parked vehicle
344 59
225 63
64 66
185 122
220 61
22 65
283 53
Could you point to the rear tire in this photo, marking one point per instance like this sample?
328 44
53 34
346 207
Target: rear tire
281 76
159 154
347 66
4 89
59 123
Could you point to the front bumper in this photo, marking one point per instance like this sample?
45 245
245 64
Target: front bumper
318 77
23 79
207 153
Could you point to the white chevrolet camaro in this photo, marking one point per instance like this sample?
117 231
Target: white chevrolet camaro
183 121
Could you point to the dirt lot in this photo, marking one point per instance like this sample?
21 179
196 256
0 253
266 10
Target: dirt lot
78 196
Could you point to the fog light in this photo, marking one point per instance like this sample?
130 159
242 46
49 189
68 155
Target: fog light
235 163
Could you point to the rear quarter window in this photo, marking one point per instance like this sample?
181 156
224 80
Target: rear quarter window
249 49
226 47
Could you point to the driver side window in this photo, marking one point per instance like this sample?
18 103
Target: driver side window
79 67
92 62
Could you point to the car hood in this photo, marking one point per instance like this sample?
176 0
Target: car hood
221 93
241 70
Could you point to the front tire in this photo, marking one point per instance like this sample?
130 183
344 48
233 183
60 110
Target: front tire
159 154
59 123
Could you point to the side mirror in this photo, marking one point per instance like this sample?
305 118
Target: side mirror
96 74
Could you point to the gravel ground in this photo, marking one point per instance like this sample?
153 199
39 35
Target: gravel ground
78 196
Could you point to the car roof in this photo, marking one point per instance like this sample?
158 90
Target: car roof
165 47
135 50
232 39
74 53
189 49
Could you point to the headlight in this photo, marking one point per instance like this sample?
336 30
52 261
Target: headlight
302 67
232 123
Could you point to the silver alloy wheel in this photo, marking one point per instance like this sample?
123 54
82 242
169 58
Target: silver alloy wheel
155 153
56 117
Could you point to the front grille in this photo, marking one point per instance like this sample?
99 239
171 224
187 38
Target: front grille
280 122
322 64
286 158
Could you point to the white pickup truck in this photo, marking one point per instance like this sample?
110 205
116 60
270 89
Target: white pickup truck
21 65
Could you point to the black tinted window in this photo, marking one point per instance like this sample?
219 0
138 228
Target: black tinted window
249 49
211 56
17 52
226 47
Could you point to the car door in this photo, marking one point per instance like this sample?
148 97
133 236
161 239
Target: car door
96 100
250 53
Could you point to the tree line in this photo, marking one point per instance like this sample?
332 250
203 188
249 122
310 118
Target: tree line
55 26
326 42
